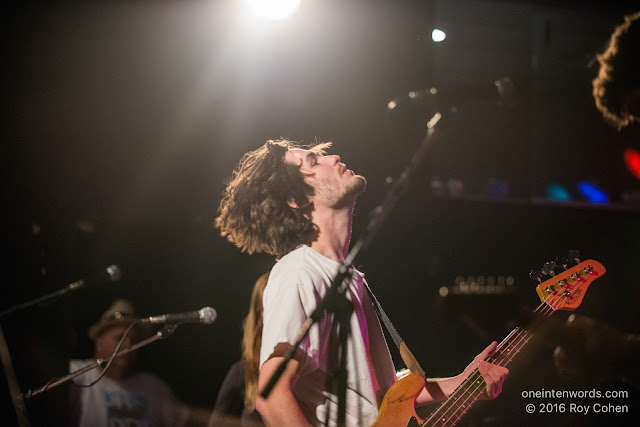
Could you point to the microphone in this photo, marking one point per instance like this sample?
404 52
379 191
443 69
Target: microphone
503 91
206 315
110 274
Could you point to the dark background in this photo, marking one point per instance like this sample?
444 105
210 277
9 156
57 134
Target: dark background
122 120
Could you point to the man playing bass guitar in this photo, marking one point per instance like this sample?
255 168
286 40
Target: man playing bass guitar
297 204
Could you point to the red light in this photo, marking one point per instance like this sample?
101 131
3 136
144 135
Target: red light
632 160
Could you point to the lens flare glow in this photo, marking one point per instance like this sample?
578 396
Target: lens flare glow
272 10
438 35
632 160
558 192
592 193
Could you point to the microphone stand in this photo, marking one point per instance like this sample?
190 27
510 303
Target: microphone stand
164 333
17 398
39 300
335 300
22 417
113 272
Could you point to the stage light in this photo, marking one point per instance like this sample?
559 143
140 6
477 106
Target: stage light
558 192
273 10
592 193
438 35
632 160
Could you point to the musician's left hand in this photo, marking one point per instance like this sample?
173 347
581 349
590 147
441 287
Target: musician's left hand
493 375
438 389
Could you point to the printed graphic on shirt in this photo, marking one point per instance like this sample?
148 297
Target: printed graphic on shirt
126 409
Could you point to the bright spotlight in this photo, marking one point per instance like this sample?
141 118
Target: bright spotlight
273 10
438 35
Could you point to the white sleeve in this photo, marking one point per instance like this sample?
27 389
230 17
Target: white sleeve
288 300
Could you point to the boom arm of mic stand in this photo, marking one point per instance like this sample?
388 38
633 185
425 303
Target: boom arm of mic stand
164 333
36 301
397 189
377 217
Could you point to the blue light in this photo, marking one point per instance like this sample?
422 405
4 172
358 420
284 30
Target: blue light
558 192
592 193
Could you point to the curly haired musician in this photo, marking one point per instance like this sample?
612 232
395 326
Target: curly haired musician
616 89
297 205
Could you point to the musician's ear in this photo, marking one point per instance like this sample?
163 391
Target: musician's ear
295 205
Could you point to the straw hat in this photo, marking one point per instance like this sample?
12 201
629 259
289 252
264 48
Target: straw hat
121 312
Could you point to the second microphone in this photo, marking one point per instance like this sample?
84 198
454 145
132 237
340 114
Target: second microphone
206 315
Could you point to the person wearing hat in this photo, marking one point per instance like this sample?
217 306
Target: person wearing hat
124 395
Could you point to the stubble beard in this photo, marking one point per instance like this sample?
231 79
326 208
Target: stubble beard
358 186
353 190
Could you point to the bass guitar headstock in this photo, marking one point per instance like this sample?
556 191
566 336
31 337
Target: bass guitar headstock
566 289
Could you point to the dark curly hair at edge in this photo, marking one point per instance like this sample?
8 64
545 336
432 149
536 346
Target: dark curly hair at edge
617 88
254 212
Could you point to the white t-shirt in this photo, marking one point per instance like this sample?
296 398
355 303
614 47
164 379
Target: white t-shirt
140 400
296 285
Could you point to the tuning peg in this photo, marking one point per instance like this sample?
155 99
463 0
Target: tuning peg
574 256
563 262
536 275
549 268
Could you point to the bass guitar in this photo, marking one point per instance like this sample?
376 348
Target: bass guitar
563 291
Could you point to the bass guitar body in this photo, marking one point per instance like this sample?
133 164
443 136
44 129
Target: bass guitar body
398 405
